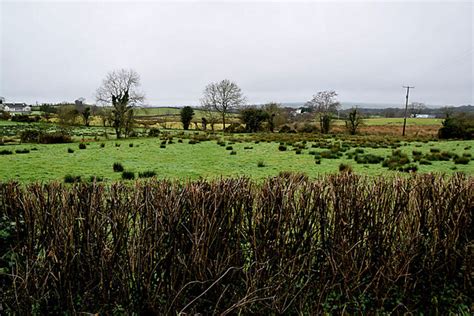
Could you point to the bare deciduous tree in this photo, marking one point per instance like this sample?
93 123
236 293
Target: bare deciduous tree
417 108
120 88
324 104
353 121
222 97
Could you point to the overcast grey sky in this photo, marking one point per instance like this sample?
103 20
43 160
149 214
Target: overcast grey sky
275 51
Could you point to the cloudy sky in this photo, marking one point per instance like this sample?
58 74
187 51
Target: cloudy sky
275 51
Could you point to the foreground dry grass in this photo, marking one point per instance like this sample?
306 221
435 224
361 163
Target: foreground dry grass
339 243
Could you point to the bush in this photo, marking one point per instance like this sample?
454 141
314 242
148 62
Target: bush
128 175
22 151
345 168
71 179
457 127
117 167
154 132
235 128
25 118
461 160
96 179
147 174
82 146
6 152
287 129
282 148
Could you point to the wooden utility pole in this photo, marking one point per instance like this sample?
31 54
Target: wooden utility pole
406 108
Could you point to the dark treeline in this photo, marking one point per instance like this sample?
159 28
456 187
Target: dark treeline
340 243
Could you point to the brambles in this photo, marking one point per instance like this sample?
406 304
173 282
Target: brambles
229 231
82 146
128 175
117 167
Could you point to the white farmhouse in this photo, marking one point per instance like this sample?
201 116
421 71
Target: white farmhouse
17 108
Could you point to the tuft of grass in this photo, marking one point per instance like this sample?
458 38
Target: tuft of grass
117 167
6 152
147 174
233 152
82 146
261 164
70 150
128 175
71 179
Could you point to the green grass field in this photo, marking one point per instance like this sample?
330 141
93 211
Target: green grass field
206 159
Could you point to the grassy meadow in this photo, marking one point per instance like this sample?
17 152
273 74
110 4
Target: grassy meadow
183 160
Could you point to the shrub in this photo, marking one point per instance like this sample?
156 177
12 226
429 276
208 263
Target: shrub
408 168
298 151
71 179
25 118
424 162
229 148
130 145
70 150
117 167
345 168
6 152
39 136
128 175
368 159
282 148
461 160
286 129
317 161
96 179
82 146
457 127
22 151
147 174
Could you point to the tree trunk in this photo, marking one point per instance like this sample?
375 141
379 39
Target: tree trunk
223 122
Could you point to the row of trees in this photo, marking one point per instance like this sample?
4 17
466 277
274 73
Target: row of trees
121 90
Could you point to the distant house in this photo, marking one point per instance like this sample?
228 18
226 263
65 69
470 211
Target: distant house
424 116
17 108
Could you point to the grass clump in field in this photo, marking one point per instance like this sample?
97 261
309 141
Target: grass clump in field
6 152
82 146
128 175
72 178
117 167
147 174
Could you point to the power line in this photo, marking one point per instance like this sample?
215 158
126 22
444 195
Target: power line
406 108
